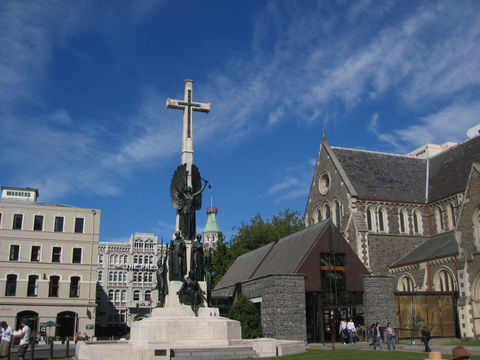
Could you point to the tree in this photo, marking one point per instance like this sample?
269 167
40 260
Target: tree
254 234
245 311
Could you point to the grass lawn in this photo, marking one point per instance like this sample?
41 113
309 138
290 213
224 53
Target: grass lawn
360 355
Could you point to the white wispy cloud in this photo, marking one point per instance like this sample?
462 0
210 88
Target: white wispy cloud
51 149
301 61
447 124
294 184
310 63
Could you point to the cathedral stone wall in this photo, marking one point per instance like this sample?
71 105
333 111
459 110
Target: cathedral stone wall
283 308
385 249
379 300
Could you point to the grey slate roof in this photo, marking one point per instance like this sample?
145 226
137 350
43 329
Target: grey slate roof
449 170
288 253
282 257
439 246
243 267
384 176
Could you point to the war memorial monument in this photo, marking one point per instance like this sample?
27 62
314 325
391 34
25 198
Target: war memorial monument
184 325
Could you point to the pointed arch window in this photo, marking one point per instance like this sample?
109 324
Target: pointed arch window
417 222
382 220
451 217
439 219
326 211
337 213
403 221
443 281
405 283
319 215
370 219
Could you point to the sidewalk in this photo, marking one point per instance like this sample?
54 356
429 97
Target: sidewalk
404 345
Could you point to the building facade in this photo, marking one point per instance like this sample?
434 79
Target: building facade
414 218
48 263
126 282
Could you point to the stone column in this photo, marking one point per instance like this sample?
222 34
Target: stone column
379 300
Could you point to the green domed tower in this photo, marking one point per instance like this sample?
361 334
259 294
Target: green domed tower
211 232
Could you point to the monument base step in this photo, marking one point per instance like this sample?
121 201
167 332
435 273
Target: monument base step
213 353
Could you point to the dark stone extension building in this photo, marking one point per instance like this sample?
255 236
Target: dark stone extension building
303 284
413 220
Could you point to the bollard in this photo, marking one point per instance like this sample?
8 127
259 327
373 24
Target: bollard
51 349
32 353
66 348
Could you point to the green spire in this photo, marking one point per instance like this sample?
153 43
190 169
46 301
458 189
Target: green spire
212 224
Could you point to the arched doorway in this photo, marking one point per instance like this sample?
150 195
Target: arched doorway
68 321
30 316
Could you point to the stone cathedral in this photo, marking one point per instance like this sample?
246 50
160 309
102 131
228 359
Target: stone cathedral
413 219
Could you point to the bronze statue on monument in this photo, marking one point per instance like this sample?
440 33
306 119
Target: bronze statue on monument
196 259
177 261
187 199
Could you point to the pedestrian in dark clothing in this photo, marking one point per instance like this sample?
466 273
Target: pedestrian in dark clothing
378 337
426 337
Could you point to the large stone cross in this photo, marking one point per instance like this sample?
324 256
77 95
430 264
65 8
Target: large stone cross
187 105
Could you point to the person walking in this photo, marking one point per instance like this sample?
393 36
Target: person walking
370 337
459 353
6 332
25 339
391 336
426 337
378 336
351 330
343 331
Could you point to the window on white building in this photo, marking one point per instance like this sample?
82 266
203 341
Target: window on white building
58 224
32 287
11 285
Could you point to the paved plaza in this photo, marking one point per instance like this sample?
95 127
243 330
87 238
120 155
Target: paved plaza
403 345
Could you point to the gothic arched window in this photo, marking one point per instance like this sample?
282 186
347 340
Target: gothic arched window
337 213
403 221
417 222
405 283
382 220
370 219
443 281
438 212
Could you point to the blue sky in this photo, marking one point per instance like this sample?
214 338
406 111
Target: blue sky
83 86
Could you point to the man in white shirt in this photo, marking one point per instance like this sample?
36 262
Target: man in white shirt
351 330
6 332
25 339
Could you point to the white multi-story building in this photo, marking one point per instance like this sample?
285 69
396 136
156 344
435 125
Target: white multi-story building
48 263
126 282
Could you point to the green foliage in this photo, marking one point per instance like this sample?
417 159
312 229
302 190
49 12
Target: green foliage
245 311
252 235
